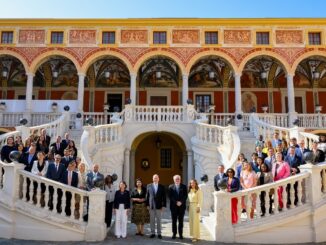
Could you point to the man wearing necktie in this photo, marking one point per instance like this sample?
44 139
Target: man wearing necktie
155 202
219 177
70 178
178 196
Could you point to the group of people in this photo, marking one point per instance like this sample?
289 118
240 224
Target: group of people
148 204
272 160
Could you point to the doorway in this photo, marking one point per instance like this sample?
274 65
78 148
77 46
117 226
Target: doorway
159 153
158 100
115 102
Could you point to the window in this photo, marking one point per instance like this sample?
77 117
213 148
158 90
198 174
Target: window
7 37
159 37
202 102
166 158
108 37
314 38
262 38
211 37
57 37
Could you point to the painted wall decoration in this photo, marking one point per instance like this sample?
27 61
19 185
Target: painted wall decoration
289 37
67 74
31 37
134 36
16 76
237 37
82 36
185 36
211 72
168 73
249 102
118 73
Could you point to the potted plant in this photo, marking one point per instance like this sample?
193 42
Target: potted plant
264 108
318 108
2 105
54 106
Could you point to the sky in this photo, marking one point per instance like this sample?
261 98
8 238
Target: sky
161 8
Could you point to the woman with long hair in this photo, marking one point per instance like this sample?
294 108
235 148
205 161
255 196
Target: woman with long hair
6 149
40 167
121 208
233 185
139 214
110 193
195 197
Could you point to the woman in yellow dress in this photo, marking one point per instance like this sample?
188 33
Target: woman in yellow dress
195 198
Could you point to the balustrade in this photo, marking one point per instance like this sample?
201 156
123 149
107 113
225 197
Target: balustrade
159 114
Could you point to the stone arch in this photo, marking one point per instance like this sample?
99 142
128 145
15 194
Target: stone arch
305 56
39 60
204 54
101 54
166 54
17 56
283 62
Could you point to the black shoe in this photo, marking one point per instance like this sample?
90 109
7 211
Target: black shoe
159 236
173 237
152 236
181 237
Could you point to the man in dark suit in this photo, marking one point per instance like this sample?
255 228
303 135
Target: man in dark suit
220 175
46 137
294 161
155 202
55 172
58 146
178 196
66 159
29 157
318 155
65 141
70 177
303 150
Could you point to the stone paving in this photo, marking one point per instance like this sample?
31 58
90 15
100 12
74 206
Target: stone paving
137 240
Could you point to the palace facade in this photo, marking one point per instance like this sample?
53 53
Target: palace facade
238 65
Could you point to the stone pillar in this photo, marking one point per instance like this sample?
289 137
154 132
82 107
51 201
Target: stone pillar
291 105
133 77
238 106
126 168
132 167
190 166
81 82
185 88
224 231
29 96
185 180
96 227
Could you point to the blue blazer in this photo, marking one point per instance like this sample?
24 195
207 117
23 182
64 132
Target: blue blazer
74 179
55 175
294 163
235 185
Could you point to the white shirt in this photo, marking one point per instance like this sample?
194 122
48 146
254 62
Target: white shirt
110 192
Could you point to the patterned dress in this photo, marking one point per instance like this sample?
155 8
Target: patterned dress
139 214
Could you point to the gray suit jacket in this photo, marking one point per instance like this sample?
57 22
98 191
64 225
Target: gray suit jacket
90 184
158 200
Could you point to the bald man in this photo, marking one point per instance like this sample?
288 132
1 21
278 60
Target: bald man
93 177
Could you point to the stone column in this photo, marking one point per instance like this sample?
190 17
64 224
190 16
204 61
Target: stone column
238 106
29 91
126 168
132 167
185 88
184 168
190 166
81 81
133 77
291 105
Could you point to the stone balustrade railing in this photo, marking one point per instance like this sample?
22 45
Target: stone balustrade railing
94 136
43 198
38 118
312 121
261 127
162 114
10 119
304 191
277 119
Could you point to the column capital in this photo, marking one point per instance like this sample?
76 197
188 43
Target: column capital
81 74
185 75
237 74
290 75
30 74
133 75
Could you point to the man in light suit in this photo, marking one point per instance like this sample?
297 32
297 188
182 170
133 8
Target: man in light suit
155 202
70 177
220 175
178 196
